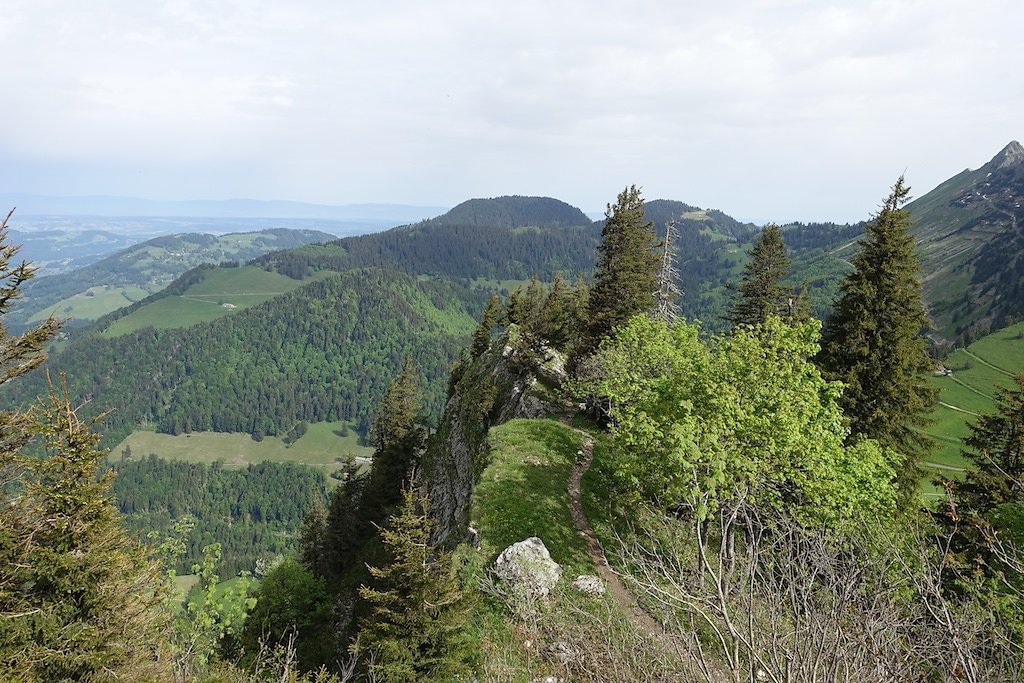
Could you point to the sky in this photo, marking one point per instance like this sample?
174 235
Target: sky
770 110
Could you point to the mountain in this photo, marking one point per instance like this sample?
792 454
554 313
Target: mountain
335 320
970 233
53 251
133 273
513 212
515 238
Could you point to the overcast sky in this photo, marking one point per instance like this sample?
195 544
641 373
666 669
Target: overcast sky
767 109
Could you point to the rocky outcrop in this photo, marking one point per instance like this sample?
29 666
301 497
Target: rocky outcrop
496 387
527 568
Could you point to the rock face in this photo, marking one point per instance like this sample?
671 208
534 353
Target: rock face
493 389
528 568
589 585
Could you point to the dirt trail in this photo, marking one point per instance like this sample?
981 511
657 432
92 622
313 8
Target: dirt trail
617 589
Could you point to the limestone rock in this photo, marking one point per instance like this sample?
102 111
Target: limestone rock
589 585
527 567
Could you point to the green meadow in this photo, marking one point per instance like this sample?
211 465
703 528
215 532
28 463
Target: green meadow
222 291
966 393
321 446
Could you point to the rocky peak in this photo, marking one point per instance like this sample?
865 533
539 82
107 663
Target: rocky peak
1010 157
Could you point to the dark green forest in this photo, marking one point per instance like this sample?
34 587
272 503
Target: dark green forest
252 512
321 353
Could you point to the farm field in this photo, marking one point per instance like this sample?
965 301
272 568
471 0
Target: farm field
93 303
222 291
966 393
321 446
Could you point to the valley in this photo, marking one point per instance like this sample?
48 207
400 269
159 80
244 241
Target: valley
243 380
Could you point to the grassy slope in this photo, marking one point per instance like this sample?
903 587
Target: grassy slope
320 446
93 303
203 301
524 491
968 392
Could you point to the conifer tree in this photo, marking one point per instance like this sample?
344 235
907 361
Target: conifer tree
995 449
398 441
761 292
79 599
346 529
417 629
313 540
874 342
559 318
626 278
482 335
667 307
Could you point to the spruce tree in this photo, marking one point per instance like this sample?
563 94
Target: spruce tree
559 319
761 293
398 441
313 540
79 599
482 335
417 628
995 449
626 278
874 343
346 529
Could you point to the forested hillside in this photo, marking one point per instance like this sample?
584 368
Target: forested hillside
323 352
251 512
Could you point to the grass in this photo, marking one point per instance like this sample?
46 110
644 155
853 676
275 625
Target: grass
523 492
93 303
967 393
222 291
320 446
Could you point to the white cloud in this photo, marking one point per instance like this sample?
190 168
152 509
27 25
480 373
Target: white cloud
773 109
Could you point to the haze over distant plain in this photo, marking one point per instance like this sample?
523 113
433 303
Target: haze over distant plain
767 109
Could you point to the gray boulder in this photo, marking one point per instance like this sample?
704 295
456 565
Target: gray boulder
527 567
589 585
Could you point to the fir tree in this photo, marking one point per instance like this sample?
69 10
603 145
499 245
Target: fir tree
313 540
79 599
995 449
417 629
874 342
398 441
482 335
346 529
626 278
559 317
667 307
761 292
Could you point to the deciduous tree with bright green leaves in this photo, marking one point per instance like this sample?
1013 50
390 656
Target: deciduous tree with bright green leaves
747 416
874 341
